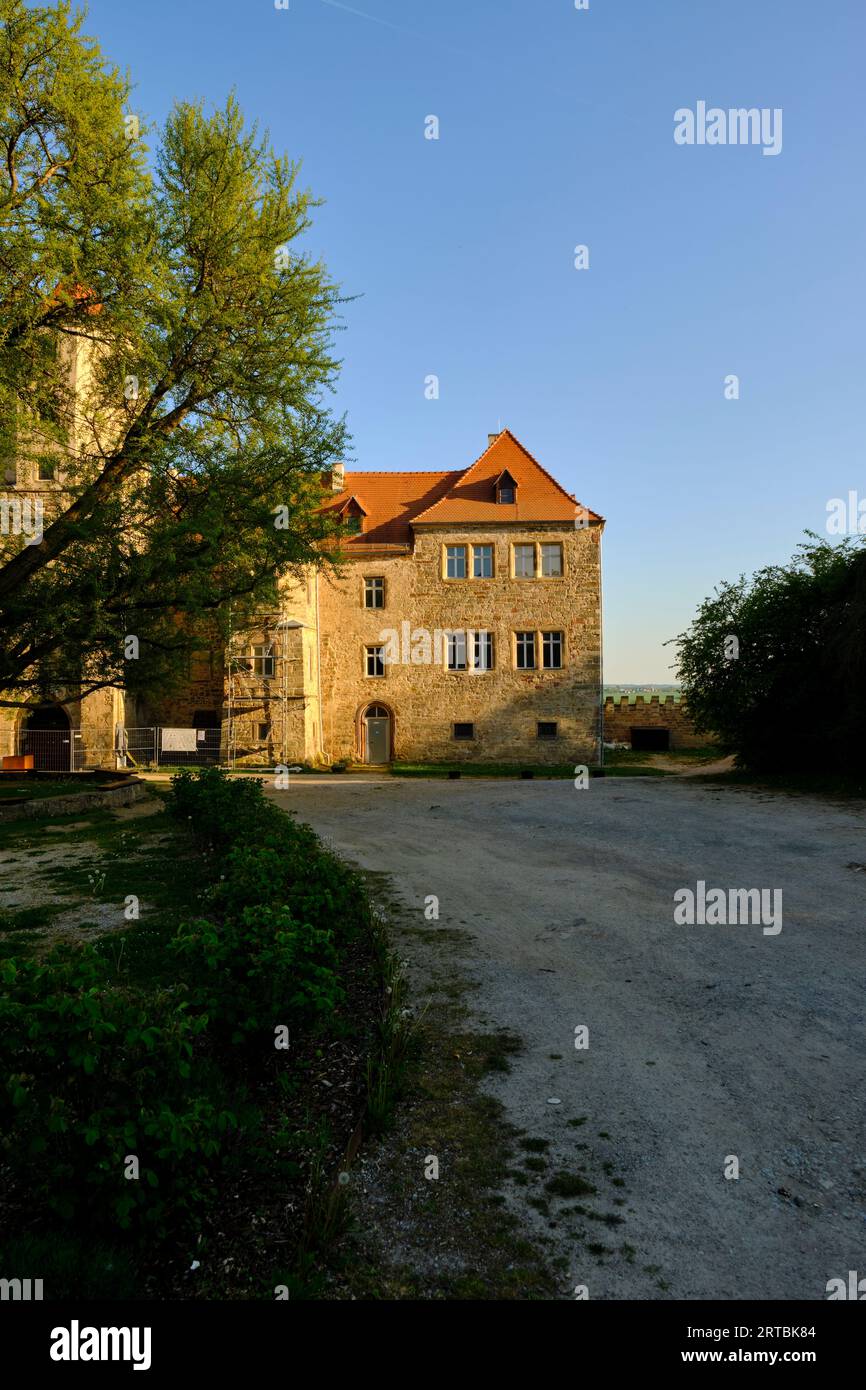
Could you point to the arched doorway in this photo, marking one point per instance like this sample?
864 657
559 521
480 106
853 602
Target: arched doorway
376 734
47 734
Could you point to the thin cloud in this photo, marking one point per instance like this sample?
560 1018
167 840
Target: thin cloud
387 24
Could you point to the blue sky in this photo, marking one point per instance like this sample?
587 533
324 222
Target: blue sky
556 129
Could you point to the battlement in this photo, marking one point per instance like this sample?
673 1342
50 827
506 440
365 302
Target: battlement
627 713
637 702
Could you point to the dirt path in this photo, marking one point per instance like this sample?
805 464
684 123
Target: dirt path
704 1041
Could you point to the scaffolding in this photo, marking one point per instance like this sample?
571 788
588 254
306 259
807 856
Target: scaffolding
259 676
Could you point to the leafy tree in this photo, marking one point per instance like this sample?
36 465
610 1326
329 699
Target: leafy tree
789 692
166 347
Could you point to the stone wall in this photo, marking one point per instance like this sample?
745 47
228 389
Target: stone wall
664 712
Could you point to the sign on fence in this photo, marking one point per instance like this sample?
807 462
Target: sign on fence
179 740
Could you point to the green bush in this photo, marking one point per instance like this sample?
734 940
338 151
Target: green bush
267 951
219 806
92 1074
259 969
790 696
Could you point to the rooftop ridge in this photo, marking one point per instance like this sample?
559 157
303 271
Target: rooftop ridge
579 508
405 472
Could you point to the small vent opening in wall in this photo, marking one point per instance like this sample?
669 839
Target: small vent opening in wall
650 740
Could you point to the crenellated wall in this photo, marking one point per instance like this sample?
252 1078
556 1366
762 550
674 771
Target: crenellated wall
655 712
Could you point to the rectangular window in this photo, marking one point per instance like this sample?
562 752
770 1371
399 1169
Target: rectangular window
374 593
353 524
264 733
456 651
375 661
551 560
464 731
45 472
264 662
551 650
455 561
525 651
547 729
482 562
524 562
483 654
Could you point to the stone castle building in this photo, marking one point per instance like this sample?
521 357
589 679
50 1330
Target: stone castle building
63 732
462 621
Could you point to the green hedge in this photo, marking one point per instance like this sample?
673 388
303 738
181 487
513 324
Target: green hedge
267 950
91 1073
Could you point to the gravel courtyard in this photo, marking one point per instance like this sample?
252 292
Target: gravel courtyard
705 1041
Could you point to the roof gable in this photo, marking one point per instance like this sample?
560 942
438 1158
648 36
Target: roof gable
393 503
538 497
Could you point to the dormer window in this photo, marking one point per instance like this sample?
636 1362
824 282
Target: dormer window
352 516
506 490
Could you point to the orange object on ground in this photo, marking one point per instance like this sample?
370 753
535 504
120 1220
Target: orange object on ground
19 763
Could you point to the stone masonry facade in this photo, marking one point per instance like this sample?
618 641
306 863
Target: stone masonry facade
516 584
460 621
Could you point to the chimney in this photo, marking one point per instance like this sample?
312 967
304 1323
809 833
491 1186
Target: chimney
492 438
337 475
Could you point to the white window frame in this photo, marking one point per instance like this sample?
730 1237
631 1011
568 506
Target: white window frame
456 646
547 643
483 639
478 552
447 560
524 634
374 586
523 547
263 659
371 659
557 546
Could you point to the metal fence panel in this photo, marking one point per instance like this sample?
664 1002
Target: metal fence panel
201 747
51 748
141 747
62 750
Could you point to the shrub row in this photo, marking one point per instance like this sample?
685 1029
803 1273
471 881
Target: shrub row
93 1075
94 1078
266 952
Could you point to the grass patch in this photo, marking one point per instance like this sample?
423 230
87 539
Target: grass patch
498 1049
562 770
27 918
13 791
569 1185
831 786
449 1246
515 771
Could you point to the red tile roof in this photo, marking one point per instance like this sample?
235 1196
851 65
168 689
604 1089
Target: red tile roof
395 502
391 502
